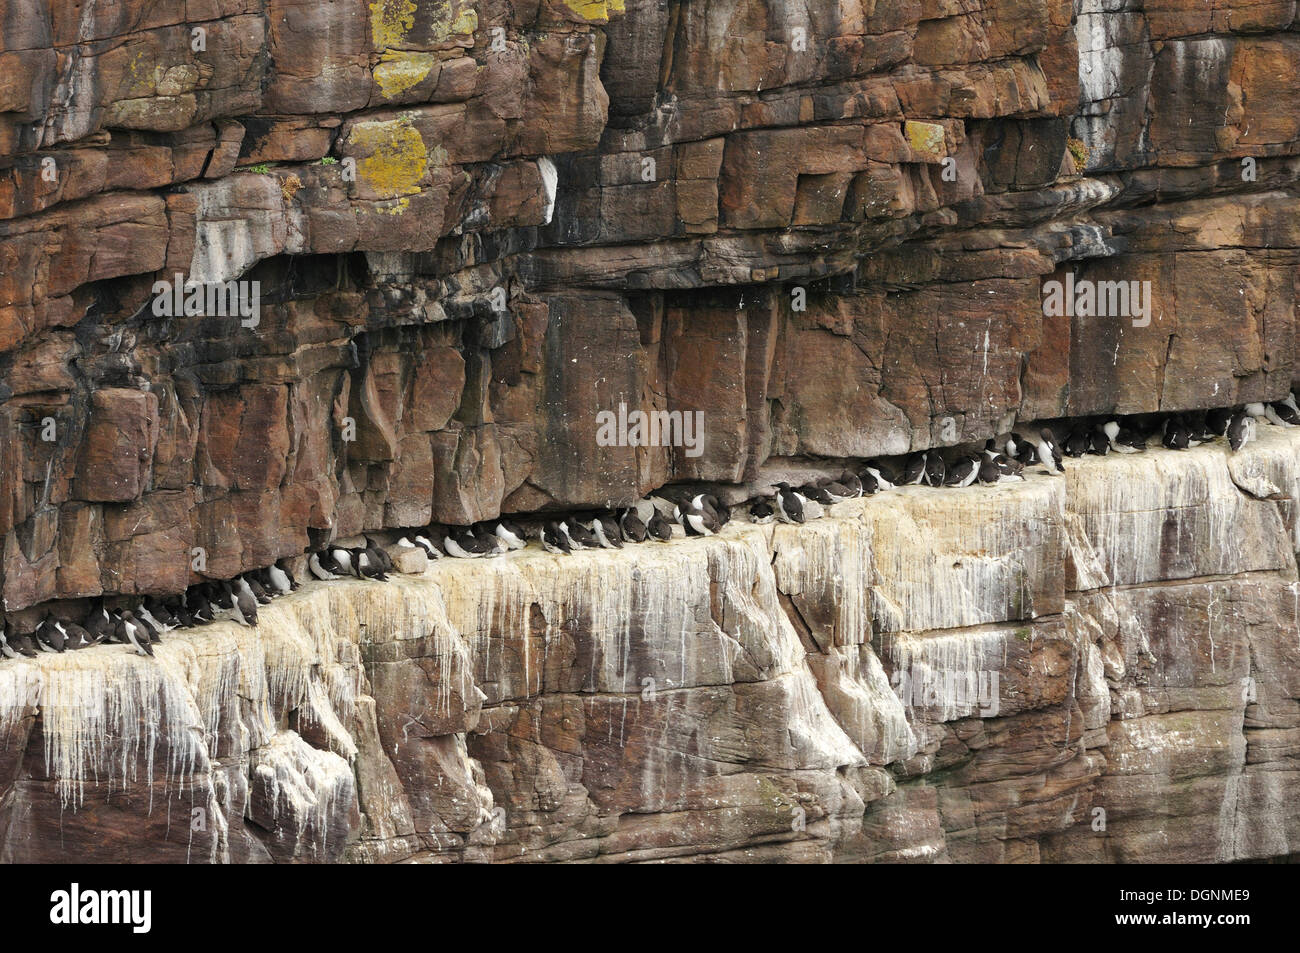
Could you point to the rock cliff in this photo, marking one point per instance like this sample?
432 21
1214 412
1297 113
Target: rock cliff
475 226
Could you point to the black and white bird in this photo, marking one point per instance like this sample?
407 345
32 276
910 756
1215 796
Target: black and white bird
914 470
1020 450
762 513
851 482
242 584
130 632
280 579
1286 411
789 504
50 637
632 526
1077 442
369 563
510 533
1123 439
579 536
606 531
879 479
322 566
75 636
1047 451
1174 434
935 469
462 544
378 555
963 471
8 648
341 557
1241 429
659 528
811 491
555 539
1217 420
240 606
698 516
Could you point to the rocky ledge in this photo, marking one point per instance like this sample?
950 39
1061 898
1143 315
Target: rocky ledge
1099 667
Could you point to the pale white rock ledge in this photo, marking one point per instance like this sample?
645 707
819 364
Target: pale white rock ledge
922 675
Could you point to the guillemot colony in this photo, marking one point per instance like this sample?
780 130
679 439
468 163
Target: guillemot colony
140 624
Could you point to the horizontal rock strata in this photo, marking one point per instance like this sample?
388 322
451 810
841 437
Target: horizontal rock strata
923 675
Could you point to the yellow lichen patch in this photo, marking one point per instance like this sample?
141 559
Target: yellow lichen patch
391 157
466 22
458 20
596 11
390 20
398 72
925 138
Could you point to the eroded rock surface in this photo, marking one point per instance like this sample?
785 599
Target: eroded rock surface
774 693
477 225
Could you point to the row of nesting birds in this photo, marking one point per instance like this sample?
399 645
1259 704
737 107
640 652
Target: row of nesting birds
698 515
1093 437
143 625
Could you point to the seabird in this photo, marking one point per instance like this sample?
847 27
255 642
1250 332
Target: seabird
378 554
611 530
368 563
150 631
555 540
50 637
1241 430
244 585
15 644
1286 411
762 512
1217 420
1174 435
75 637
789 504
699 518
279 579
7 649
1077 442
242 606
342 559
885 477
130 632
159 613
99 624
914 470
963 472
818 494
634 530
579 536
1123 439
316 566
1049 454
852 483
510 534
935 469
659 528
1021 450
463 544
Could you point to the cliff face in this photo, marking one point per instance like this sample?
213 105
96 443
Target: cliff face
1097 668
474 227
